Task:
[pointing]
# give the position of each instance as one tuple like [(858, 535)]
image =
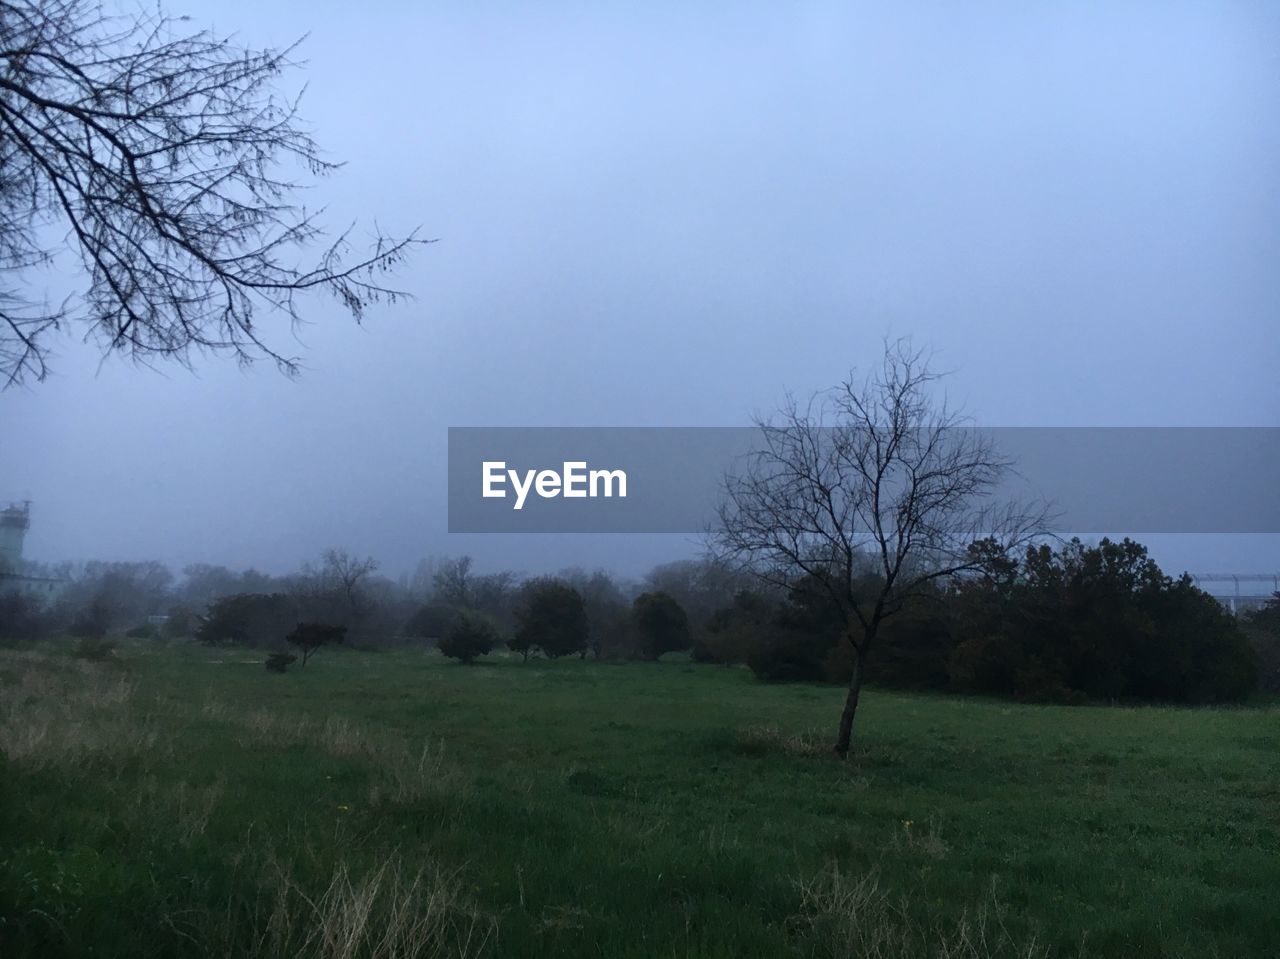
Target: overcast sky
[(670, 214)]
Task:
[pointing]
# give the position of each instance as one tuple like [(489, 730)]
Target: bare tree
[(157, 152), (872, 477), (346, 572), (453, 581)]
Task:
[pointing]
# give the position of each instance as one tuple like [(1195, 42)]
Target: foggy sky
[(670, 216)]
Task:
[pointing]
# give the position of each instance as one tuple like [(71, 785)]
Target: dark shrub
[(521, 642), (1262, 630), (1061, 625), (279, 662), (1039, 680), (911, 652), (799, 638), (551, 617), (143, 631), (309, 637), (661, 623), (788, 655), (470, 636), (247, 619), (92, 621), (731, 634), (23, 618), (613, 632), (1266, 653), (1097, 622), (987, 663), (913, 648)]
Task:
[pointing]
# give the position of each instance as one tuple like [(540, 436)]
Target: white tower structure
[(14, 521)]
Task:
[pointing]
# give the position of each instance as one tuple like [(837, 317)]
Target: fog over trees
[(1067, 622), (808, 682)]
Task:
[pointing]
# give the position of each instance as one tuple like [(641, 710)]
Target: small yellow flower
[(906, 824)]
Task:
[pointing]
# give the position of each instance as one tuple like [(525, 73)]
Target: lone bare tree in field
[(872, 477), (158, 158)]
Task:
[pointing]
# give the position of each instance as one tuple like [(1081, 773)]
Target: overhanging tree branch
[(156, 152)]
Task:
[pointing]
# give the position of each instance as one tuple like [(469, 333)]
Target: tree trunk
[(850, 706)]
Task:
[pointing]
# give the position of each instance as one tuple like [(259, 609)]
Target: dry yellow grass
[(63, 711), (845, 916), (386, 912), (403, 772)]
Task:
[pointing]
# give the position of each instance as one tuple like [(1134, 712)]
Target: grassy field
[(184, 802)]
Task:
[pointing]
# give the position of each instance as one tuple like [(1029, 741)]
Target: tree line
[(1065, 623), (865, 539)]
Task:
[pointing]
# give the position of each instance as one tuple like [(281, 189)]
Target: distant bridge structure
[(1239, 592)]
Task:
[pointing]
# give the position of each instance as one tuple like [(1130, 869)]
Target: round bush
[(469, 636)]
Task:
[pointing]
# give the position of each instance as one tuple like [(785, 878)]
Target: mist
[(674, 216)]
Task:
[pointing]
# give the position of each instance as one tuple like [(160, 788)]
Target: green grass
[(185, 802)]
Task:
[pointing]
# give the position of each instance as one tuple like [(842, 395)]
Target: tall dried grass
[(846, 916), (385, 912), (402, 772), (57, 712)]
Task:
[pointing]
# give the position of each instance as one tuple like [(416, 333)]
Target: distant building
[(15, 520)]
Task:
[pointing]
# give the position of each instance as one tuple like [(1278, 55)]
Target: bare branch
[(156, 151)]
